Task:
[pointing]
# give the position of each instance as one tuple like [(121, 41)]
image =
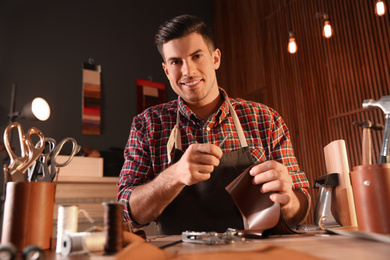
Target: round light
[(40, 108)]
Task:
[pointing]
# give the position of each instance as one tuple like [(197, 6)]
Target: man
[(189, 192)]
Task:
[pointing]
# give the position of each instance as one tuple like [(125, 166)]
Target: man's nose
[(188, 68)]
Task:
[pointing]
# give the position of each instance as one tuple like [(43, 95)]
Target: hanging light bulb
[(292, 46), (380, 8), (327, 30)]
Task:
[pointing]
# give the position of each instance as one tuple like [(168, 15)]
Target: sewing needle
[(223, 141)]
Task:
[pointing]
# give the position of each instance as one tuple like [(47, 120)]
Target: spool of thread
[(83, 242), (33, 253), (113, 227), (67, 223), (7, 251)]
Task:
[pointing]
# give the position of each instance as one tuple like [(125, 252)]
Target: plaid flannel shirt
[(146, 150)]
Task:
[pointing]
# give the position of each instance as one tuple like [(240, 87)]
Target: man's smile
[(190, 83)]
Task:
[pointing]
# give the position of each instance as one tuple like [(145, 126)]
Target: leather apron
[(207, 206)]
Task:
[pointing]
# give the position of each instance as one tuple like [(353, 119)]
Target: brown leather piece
[(371, 190), (28, 214), (147, 251), (258, 211)]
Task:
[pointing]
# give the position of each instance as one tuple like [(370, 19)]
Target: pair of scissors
[(29, 152), (37, 168), (50, 163)]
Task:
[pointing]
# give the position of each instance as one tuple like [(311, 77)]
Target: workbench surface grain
[(325, 246)]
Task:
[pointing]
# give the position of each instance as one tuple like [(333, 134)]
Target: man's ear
[(165, 68), (216, 58)]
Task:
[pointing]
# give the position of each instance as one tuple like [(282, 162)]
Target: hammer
[(366, 143), (384, 104)]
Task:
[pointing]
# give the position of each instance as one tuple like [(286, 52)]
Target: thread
[(7, 251), (82, 242), (113, 227), (67, 223), (33, 253)]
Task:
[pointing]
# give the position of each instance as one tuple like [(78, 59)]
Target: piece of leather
[(262, 217), (28, 214), (147, 251), (371, 189), (258, 210)]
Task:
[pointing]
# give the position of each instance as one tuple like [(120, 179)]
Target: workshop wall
[(318, 91), (44, 43)]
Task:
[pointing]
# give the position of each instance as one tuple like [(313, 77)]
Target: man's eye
[(197, 56), (174, 62)]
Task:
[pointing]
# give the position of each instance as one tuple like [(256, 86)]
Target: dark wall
[(44, 43)]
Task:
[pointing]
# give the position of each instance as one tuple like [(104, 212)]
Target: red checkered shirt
[(146, 150)]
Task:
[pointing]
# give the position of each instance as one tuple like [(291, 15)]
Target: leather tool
[(323, 214), (367, 139), (384, 104)]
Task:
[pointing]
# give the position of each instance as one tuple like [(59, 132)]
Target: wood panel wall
[(319, 90)]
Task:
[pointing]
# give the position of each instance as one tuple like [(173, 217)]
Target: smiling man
[(188, 192)]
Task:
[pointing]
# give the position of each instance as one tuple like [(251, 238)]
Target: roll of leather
[(336, 160), (28, 214), (371, 190)]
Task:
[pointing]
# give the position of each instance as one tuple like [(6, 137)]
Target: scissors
[(50, 159), (37, 166), (29, 152)]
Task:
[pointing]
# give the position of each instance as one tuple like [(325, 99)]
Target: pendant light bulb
[(380, 8), (327, 30), (292, 45)]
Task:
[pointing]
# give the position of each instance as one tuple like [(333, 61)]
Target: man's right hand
[(197, 163), (149, 200)]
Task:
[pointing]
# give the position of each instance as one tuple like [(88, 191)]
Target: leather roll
[(28, 214)]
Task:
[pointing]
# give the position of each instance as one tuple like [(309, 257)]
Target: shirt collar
[(217, 117)]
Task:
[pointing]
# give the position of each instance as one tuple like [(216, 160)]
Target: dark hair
[(181, 26)]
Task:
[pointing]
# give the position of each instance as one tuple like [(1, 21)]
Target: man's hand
[(149, 200), (275, 178), (197, 163)]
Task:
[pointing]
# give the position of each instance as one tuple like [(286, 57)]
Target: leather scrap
[(146, 251)]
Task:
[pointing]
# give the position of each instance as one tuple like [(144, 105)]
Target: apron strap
[(237, 125), (175, 136)]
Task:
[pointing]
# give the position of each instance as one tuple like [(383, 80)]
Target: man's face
[(190, 68)]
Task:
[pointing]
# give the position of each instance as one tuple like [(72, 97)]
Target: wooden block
[(81, 166), (85, 190)]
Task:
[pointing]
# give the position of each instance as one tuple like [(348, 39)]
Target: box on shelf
[(81, 167)]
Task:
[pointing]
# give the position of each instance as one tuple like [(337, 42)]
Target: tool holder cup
[(28, 214), (371, 190)]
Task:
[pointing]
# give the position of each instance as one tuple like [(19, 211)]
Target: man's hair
[(182, 26)]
